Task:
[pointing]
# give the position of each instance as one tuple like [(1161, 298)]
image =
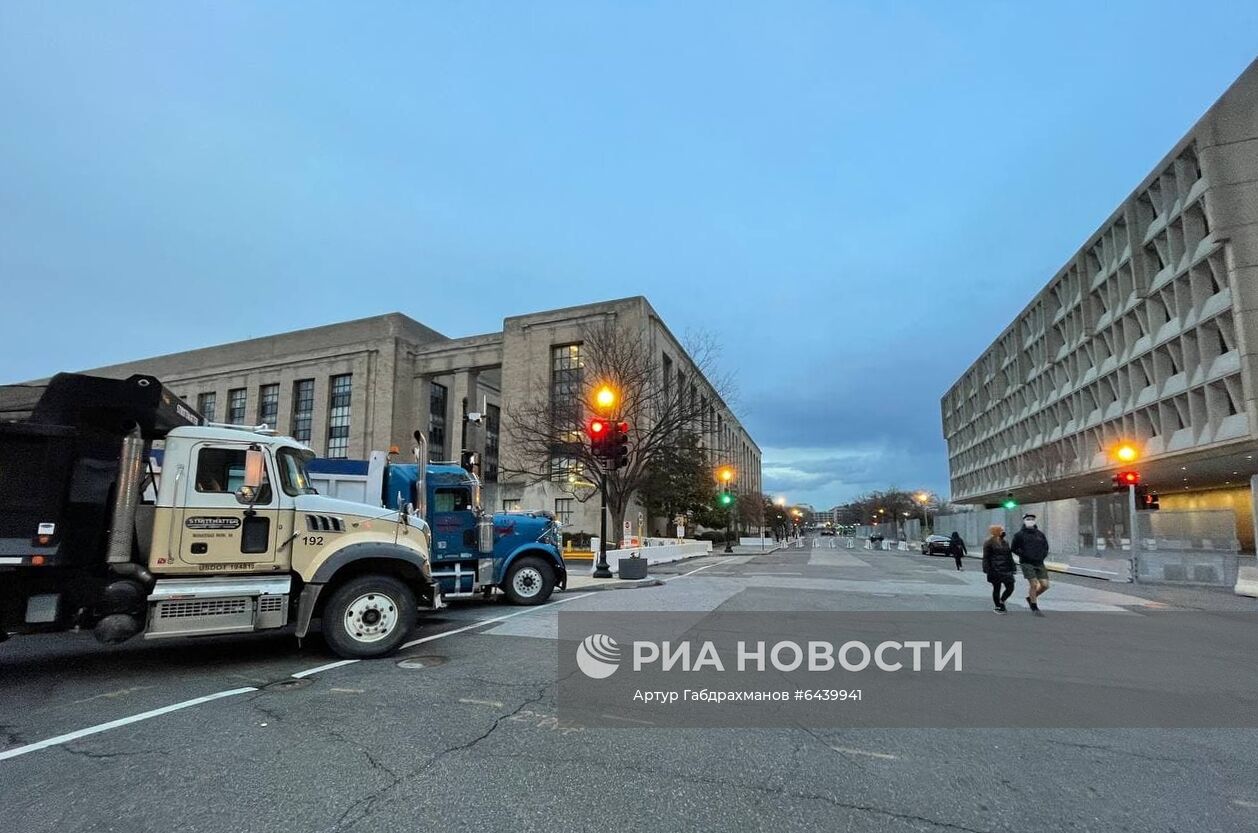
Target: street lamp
[(725, 474), (924, 498), (605, 398)]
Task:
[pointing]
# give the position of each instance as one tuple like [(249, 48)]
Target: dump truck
[(230, 536)]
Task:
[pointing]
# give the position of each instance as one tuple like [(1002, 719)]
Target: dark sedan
[(935, 545)]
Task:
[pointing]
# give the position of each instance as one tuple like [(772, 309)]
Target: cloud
[(826, 476)]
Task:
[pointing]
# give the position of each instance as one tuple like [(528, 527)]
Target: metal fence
[(1092, 536)]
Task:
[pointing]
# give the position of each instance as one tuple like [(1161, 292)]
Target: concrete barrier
[(767, 543), (664, 554)]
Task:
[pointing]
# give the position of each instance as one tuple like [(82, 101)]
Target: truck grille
[(183, 609)]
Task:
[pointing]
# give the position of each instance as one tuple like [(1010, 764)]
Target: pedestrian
[(1031, 547), (999, 566), (956, 548)]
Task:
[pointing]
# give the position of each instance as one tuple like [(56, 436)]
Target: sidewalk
[(579, 578)]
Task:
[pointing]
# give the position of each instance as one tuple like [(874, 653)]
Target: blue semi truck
[(473, 552)]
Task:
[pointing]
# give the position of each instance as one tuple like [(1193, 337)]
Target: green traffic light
[(1010, 504), (726, 499)]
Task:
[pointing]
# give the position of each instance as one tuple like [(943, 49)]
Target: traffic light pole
[(729, 549), (602, 569), (1131, 513)]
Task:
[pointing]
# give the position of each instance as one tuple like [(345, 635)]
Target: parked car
[(936, 545)]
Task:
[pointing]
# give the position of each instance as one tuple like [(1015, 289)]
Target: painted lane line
[(691, 573), (493, 704), (327, 667), (124, 721), (136, 718), (494, 620)]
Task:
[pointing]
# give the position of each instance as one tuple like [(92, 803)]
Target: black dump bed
[(58, 466)]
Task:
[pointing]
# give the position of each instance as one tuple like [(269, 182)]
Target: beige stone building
[(347, 389)]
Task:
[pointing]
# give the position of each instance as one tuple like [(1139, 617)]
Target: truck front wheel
[(529, 581), (368, 616)]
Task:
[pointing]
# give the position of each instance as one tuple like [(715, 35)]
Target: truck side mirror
[(255, 468), (255, 471)]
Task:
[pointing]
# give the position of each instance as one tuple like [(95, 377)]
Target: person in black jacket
[(999, 566), (956, 548), (1031, 547)]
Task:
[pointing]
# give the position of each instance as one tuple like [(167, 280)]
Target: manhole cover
[(287, 685), (426, 661)]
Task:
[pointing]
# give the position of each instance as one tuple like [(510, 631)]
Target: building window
[(563, 509), (564, 469), (269, 405), (338, 415), (667, 365), (493, 417), (236, 400), (205, 404), (512, 505), (566, 375), (437, 420), (303, 409)]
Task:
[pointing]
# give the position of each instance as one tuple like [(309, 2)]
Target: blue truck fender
[(561, 571)]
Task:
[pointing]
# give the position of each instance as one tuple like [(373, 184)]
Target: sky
[(853, 198)]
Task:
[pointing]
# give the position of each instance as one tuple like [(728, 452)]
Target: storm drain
[(421, 661)]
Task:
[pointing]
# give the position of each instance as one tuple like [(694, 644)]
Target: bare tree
[(547, 428)]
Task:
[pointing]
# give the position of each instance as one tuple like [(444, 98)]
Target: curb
[(617, 584)]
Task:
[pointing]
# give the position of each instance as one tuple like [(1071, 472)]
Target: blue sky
[(855, 198)]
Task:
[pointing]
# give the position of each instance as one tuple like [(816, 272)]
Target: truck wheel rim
[(527, 581), (371, 617)]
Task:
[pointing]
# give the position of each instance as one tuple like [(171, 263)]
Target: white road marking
[(114, 724), (495, 619), (136, 718), (691, 573), (493, 704), (1240, 802), (327, 667), (882, 755)]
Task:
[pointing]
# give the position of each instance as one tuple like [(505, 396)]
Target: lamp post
[(924, 499), (726, 476)]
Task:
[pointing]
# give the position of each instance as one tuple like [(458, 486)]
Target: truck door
[(453, 523), (220, 531)]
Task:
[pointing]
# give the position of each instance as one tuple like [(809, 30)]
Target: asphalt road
[(463, 729)]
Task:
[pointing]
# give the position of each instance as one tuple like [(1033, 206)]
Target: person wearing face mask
[(1031, 547)]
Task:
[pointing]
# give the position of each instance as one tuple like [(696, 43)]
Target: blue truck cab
[(472, 552)]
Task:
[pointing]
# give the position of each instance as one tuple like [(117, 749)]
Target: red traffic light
[(597, 427), (1128, 478)]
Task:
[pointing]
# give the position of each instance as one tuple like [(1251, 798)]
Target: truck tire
[(529, 581), (368, 616)]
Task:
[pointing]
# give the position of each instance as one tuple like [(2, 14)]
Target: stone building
[(347, 389)]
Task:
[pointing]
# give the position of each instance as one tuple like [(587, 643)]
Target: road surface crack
[(366, 805)]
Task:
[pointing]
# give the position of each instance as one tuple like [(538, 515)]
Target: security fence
[(1092, 536)]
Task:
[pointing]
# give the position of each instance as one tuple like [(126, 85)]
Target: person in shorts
[(1031, 547)]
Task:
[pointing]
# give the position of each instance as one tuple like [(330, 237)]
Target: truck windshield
[(293, 475)]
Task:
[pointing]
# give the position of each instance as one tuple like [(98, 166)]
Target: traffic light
[(1147, 500), (1009, 502), (600, 432), (619, 445), (1125, 479), (725, 499)]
